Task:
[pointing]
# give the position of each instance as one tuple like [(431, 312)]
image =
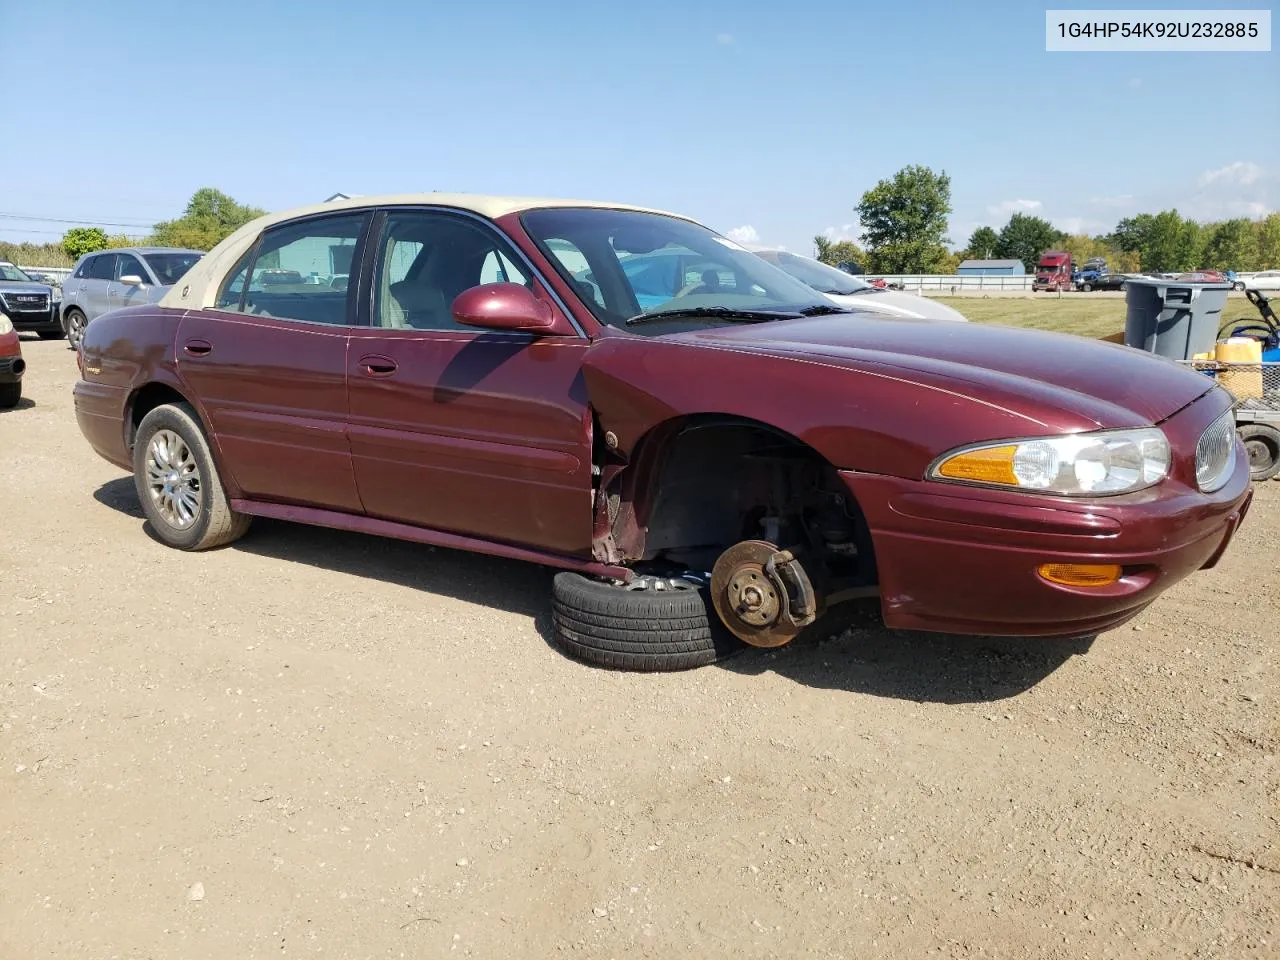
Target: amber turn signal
[(1081, 574), (988, 465)]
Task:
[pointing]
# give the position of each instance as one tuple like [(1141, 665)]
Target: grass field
[(1086, 318)]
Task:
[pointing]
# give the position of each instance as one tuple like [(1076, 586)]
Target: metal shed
[(991, 268)]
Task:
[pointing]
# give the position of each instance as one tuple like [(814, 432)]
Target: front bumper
[(41, 321), (960, 559)]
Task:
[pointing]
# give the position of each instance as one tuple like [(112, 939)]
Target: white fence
[(58, 273), (948, 283)]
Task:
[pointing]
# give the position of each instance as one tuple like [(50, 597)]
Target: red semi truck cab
[(1053, 272)]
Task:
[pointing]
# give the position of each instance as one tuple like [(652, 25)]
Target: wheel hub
[(750, 595)]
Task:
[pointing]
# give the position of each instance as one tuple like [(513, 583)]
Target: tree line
[(904, 221), (210, 215), (904, 230)]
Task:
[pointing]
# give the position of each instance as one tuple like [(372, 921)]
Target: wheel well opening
[(723, 480), (146, 399)]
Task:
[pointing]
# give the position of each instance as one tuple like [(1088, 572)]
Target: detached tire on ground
[(646, 630)]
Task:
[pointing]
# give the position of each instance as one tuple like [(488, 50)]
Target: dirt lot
[(321, 744)]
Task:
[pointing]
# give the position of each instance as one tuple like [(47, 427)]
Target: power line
[(104, 223)]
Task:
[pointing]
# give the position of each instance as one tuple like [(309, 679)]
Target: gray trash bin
[(1172, 319)]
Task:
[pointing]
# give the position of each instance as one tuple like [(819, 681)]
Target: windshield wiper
[(820, 309), (722, 313)]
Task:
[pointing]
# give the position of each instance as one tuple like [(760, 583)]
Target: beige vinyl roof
[(198, 288)]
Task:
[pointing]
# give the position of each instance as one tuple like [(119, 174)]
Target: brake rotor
[(750, 602)]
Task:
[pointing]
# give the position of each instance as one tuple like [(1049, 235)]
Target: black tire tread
[(10, 394), (647, 631), (1271, 436), (224, 525)]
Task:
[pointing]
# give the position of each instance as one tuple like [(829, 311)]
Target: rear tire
[(1086, 287), (73, 322), (10, 394), (170, 451), (1262, 441), (648, 630), (51, 334)]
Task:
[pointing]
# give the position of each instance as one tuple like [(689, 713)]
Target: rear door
[(93, 291), (268, 365)]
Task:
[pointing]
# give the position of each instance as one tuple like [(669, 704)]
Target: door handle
[(198, 348), (374, 366)]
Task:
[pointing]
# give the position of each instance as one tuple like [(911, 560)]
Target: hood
[(1063, 381), (24, 286), (898, 304)]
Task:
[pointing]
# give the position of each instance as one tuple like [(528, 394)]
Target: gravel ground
[(321, 744)]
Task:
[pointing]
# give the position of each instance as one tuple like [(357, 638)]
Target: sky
[(766, 121)]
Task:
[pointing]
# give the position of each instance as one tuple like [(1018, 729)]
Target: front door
[(268, 364), (123, 291), (456, 428)]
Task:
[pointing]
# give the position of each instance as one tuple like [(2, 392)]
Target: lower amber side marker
[(1081, 574)]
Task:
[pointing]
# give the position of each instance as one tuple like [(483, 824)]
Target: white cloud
[(1081, 225), (1242, 172), (726, 39), (1008, 207), (846, 231), (744, 234)]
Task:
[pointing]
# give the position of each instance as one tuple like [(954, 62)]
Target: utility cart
[(1256, 387)]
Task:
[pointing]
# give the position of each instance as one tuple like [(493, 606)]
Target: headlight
[(55, 294), (1073, 465), (1215, 453), (6, 325)]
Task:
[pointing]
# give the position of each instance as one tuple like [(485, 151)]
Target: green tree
[(1083, 247), (1025, 237), (78, 241), (836, 252), (904, 221), (982, 243), (1267, 233), (1231, 245), (210, 216), (1164, 242)]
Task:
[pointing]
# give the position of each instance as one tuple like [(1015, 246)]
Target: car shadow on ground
[(848, 650), (24, 403), (852, 650), (510, 585)]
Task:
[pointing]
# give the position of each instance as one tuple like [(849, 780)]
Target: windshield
[(1052, 268), (814, 273), (626, 264), (169, 267), (9, 272)]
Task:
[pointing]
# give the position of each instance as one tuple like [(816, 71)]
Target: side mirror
[(131, 280), (504, 306)]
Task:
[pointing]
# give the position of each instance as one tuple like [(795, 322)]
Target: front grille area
[(25, 302), (1215, 453)]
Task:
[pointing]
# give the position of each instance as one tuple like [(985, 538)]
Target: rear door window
[(293, 269), (103, 267)]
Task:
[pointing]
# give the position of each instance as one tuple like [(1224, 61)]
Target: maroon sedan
[(694, 438)]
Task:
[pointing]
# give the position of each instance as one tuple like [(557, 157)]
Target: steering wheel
[(689, 288)]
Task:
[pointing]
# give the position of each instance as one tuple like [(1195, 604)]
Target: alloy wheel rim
[(173, 479)]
